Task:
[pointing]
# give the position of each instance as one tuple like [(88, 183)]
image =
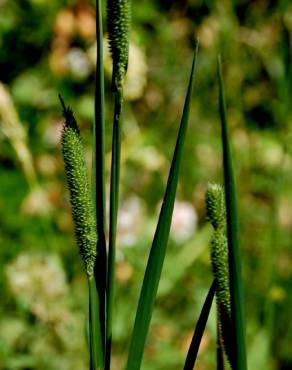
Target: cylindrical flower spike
[(78, 184), (215, 205), (216, 214), (118, 23)]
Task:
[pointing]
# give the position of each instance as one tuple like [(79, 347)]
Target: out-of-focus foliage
[(47, 47)]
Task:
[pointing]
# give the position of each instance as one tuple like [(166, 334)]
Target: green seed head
[(78, 184), (215, 205), (118, 23), (216, 214), (219, 260)]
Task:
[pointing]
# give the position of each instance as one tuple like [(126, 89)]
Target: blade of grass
[(200, 328), (95, 339), (99, 174), (158, 249), (114, 201), (236, 285)]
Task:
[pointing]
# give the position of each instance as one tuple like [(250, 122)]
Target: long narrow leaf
[(200, 328), (114, 202), (158, 249), (236, 286), (99, 173)]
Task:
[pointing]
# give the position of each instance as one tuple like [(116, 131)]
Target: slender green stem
[(99, 175), (114, 202), (235, 278), (95, 340), (219, 352), (200, 328)]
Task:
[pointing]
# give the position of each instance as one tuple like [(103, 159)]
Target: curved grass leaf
[(200, 328), (236, 286), (158, 249)]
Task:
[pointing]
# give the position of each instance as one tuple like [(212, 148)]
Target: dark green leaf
[(236, 288), (158, 249), (200, 328)]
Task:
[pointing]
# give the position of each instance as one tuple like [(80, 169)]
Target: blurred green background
[(47, 47)]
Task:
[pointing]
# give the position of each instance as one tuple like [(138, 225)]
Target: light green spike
[(219, 259), (215, 205), (118, 23), (78, 184), (216, 214)]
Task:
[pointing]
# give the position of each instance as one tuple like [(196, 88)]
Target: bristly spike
[(215, 205), (78, 184), (118, 23), (216, 214)]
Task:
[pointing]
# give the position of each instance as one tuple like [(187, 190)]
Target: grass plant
[(88, 209)]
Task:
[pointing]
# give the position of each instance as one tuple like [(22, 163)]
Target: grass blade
[(114, 202), (99, 173), (236, 286), (199, 330), (158, 249)]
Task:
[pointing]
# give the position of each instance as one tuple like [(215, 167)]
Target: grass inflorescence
[(80, 195)]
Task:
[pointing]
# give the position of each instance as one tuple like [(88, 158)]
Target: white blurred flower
[(184, 221), (130, 221), (78, 63), (136, 77), (52, 133), (36, 202)]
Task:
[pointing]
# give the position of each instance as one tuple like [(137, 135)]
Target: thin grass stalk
[(158, 249), (95, 339), (219, 349), (235, 278), (114, 202), (200, 328), (99, 174)]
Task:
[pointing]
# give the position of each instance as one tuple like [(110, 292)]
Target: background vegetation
[(47, 47)]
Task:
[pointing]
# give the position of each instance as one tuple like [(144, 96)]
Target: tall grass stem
[(99, 174), (95, 339), (114, 203)]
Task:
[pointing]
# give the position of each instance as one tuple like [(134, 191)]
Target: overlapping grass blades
[(199, 330), (158, 249), (236, 286)]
